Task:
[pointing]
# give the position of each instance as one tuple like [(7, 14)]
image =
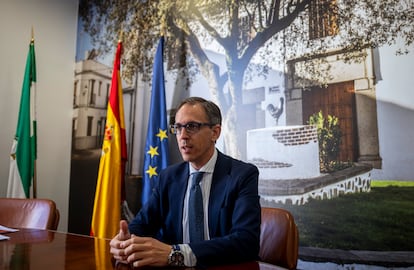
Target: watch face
[(176, 258)]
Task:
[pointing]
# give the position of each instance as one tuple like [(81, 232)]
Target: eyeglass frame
[(176, 128)]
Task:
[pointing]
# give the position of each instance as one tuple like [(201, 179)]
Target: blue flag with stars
[(156, 146)]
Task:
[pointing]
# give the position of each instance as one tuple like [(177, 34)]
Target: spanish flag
[(109, 192)]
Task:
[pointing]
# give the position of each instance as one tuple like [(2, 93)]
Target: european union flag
[(156, 146)]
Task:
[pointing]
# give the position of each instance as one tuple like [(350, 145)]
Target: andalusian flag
[(109, 192), (23, 152), (156, 146)]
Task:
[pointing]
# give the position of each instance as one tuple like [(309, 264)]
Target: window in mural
[(322, 19)]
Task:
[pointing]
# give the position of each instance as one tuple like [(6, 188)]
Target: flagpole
[(34, 180), (35, 131)]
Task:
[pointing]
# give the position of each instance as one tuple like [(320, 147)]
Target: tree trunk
[(233, 129)]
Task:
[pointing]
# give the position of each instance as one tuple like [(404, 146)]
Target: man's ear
[(216, 132)]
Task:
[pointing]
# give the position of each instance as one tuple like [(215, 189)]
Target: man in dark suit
[(161, 234)]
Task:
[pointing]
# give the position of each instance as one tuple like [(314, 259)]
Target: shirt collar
[(208, 167)]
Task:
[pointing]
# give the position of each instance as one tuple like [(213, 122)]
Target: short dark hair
[(212, 110)]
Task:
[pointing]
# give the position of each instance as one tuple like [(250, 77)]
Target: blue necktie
[(195, 209)]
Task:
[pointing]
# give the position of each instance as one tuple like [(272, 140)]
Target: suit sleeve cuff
[(190, 259)]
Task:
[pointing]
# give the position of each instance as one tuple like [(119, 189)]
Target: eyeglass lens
[(190, 127)]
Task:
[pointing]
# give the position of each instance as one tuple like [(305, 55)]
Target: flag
[(23, 152), (109, 194), (156, 146)]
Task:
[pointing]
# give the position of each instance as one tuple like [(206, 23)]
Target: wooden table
[(41, 249)]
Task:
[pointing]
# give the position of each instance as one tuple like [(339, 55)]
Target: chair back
[(29, 213), (279, 238)]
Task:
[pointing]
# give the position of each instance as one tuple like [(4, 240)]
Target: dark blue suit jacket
[(234, 212)]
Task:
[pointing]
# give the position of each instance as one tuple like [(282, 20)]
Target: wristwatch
[(176, 257)]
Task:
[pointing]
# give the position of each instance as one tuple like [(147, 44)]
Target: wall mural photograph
[(316, 93)]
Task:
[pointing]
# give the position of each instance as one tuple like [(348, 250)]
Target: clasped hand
[(139, 251)]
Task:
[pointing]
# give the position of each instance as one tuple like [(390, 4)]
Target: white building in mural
[(90, 98)]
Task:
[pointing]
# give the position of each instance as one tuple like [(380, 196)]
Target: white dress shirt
[(205, 184)]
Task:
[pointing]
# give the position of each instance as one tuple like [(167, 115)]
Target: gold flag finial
[(32, 40), (163, 27), (121, 33)]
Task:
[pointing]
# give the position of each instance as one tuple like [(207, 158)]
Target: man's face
[(196, 147)]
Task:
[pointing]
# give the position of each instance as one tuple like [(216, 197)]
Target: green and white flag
[(23, 152)]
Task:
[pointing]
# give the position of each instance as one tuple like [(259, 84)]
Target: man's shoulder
[(233, 162)]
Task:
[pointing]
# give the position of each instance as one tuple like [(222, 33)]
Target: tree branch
[(200, 18), (277, 25), (207, 67)]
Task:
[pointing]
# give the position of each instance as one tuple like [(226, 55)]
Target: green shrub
[(329, 137)]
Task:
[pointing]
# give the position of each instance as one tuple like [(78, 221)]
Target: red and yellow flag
[(109, 192)]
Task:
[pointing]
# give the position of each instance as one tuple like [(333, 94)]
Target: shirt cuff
[(190, 259)]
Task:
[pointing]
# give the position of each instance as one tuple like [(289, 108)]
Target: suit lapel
[(218, 191), (177, 193)]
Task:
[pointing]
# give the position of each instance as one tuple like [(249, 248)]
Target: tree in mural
[(253, 35)]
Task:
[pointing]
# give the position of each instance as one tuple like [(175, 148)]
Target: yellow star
[(152, 171), (153, 151), (162, 134)]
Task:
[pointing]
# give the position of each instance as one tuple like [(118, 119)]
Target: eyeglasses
[(190, 127)]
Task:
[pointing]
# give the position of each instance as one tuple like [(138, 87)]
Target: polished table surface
[(42, 249)]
